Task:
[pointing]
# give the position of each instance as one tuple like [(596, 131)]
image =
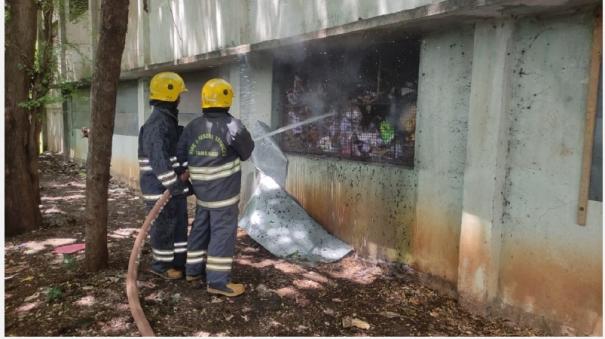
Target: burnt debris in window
[(370, 88)]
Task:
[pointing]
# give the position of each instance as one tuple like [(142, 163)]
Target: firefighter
[(212, 146), (159, 171), (182, 221)]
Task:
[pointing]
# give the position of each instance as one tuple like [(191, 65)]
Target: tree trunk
[(43, 78), (22, 197), (105, 78)]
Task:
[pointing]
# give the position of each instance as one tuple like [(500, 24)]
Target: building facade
[(455, 143)]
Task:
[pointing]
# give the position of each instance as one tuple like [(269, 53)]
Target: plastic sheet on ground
[(277, 222), (267, 156)]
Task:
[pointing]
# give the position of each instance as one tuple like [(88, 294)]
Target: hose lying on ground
[(132, 289)]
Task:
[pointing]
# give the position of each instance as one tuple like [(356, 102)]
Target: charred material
[(372, 93)]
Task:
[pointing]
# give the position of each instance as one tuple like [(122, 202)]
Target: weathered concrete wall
[(254, 84), (486, 151), (190, 107), (78, 47), (54, 127), (79, 147), (124, 159), (187, 28), (441, 127), (78, 116), (369, 206), (134, 49), (178, 29), (126, 118), (278, 19), (550, 265)]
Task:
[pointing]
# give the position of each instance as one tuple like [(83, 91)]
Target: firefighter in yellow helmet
[(159, 171), (212, 147)]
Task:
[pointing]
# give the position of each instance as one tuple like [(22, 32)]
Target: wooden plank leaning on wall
[(591, 109)]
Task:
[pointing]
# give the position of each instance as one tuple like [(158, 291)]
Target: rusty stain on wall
[(541, 285), (550, 266), (476, 264), (434, 249), (441, 139), (368, 206), (125, 170)]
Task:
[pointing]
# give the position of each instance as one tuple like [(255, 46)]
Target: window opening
[(371, 89)]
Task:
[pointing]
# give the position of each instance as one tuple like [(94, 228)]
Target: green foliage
[(43, 73), (387, 131), (54, 294), (69, 88), (44, 4), (32, 104), (77, 8), (7, 13)]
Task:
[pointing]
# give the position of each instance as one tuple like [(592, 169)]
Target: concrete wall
[(124, 159), (187, 28), (53, 127), (521, 251), (549, 264), (369, 206), (126, 118), (279, 19), (190, 106), (135, 48), (78, 116), (441, 128), (173, 30), (254, 84), (77, 46)]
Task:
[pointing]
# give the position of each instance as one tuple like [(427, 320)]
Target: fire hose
[(132, 289), (293, 126)]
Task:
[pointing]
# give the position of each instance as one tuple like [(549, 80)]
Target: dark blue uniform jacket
[(158, 165), (212, 147)]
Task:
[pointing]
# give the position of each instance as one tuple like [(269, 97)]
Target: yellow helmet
[(217, 93), (166, 86)]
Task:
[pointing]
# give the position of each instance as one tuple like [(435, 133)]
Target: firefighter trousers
[(213, 233), (169, 235), (180, 233)]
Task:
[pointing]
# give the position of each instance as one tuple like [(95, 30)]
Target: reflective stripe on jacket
[(212, 147), (158, 165)]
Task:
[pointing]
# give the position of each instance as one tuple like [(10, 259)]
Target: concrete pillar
[(141, 26), (443, 104), (141, 107), (255, 83), (485, 174), (234, 79), (94, 7)]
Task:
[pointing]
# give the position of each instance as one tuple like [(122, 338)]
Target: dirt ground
[(47, 294)]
